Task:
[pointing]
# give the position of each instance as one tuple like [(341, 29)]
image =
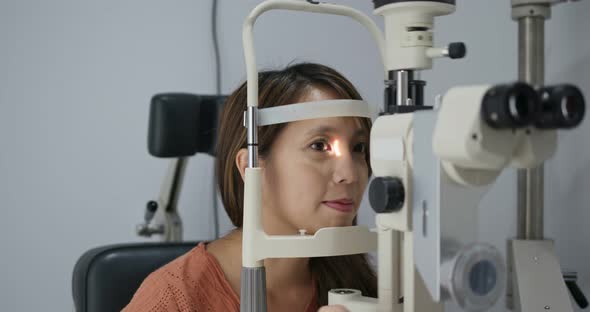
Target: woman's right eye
[(321, 146)]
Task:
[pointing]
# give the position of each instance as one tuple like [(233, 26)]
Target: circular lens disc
[(482, 278)]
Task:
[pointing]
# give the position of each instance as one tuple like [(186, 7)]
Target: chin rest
[(105, 278)]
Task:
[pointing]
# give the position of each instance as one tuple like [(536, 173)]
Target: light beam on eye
[(337, 148)]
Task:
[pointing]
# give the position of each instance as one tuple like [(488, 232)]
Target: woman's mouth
[(342, 205)]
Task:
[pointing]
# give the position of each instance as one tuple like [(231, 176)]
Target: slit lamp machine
[(432, 162), (432, 165)]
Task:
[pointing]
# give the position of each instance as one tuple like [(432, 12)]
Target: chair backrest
[(105, 278)]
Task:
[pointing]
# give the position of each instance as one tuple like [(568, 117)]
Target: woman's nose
[(345, 167)]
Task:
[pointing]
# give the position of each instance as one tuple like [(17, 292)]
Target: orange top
[(192, 282)]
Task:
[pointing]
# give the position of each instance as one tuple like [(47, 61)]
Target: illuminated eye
[(321, 146)]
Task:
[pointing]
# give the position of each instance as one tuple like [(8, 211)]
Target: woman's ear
[(242, 161)]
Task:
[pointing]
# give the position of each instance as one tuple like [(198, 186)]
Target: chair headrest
[(183, 124)]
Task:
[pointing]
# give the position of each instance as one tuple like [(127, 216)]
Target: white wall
[(75, 83)]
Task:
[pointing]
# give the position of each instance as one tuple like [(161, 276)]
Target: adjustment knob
[(150, 211), (386, 194), (152, 206), (457, 50)]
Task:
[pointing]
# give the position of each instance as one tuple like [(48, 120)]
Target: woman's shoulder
[(192, 267), (191, 282)]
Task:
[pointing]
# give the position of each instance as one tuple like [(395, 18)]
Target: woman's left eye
[(360, 147), (321, 146)]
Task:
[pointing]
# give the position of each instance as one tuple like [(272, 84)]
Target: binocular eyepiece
[(518, 105), (562, 106)]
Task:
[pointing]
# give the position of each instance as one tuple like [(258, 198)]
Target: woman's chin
[(338, 223)]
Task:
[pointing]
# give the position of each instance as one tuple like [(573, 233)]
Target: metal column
[(531, 67)]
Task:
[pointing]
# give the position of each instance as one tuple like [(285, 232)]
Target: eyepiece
[(510, 106), (562, 106)]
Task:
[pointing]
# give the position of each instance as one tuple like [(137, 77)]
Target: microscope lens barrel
[(562, 106), (510, 106)]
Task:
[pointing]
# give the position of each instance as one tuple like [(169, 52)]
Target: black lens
[(510, 106), (562, 106), (518, 106), (482, 278)]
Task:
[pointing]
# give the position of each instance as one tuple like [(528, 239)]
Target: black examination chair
[(106, 277)]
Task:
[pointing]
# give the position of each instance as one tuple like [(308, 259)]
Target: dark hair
[(281, 87)]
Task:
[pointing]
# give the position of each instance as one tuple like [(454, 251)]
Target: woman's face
[(315, 174)]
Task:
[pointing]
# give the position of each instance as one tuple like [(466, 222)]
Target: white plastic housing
[(408, 49), (537, 146), (474, 153), (390, 153), (353, 300), (463, 139)]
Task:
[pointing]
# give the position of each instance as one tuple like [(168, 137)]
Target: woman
[(304, 186)]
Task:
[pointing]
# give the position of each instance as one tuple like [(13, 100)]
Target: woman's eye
[(321, 146), (360, 148)]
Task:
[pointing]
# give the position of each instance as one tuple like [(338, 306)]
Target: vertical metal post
[(531, 67), (173, 232), (252, 124), (253, 279), (402, 87)]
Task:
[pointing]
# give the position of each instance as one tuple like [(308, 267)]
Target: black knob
[(386, 194), (150, 211), (152, 206), (457, 50)]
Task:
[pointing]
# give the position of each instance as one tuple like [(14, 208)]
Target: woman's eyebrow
[(328, 129), (320, 130)]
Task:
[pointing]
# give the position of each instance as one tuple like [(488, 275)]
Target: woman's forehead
[(333, 126), (314, 93)]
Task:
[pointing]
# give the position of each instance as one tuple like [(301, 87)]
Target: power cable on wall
[(218, 91), (216, 47)]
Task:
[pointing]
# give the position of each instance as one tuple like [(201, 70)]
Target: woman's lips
[(342, 206)]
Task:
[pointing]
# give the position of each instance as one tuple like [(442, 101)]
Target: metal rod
[(531, 63), (252, 123), (401, 87), (171, 191)]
